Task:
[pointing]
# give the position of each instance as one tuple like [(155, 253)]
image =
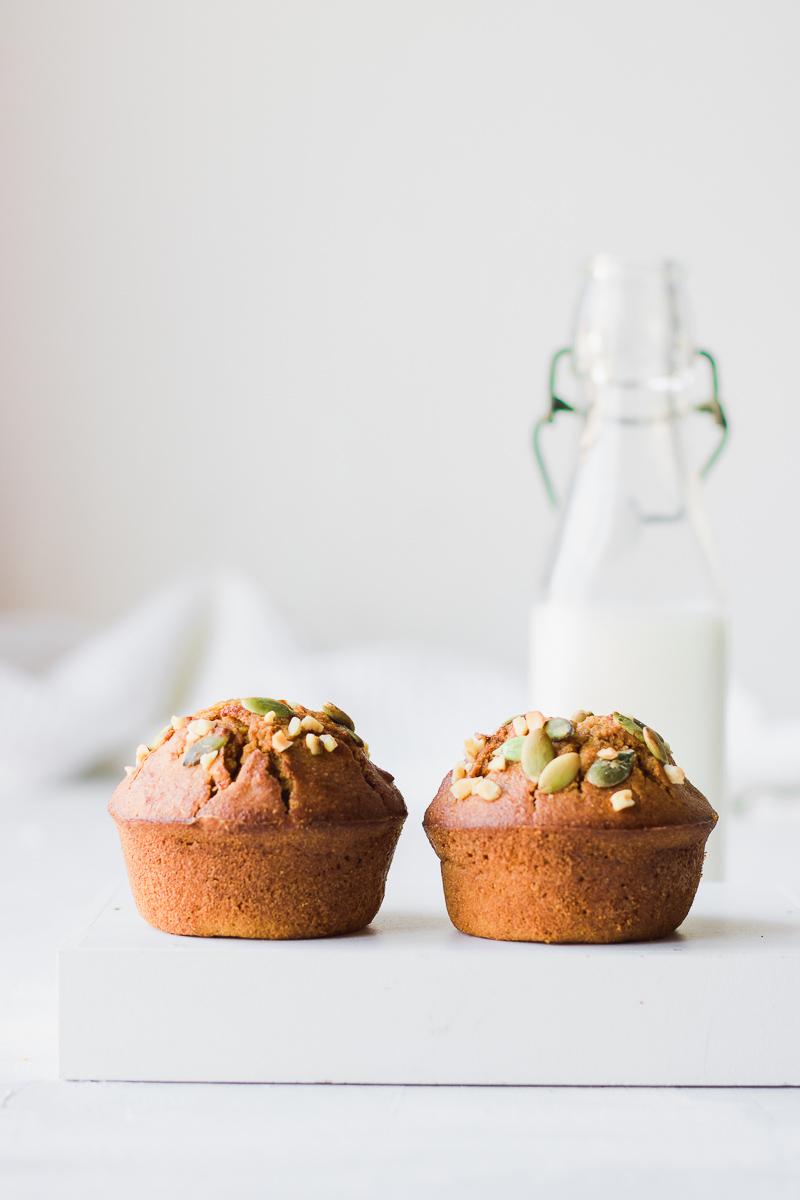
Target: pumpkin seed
[(512, 749), (338, 715), (261, 705), (213, 741), (351, 733), (560, 773), (537, 752), (630, 725), (655, 744), (558, 728), (606, 773)]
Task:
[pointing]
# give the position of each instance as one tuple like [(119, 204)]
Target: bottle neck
[(633, 529), (633, 455)]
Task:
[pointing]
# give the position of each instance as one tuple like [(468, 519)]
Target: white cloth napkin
[(71, 702)]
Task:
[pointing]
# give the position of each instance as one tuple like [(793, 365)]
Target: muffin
[(581, 830), (258, 818)]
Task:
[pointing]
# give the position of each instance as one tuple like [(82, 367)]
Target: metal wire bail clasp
[(557, 404)]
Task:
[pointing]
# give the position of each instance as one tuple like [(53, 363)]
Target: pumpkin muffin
[(581, 830), (257, 818)]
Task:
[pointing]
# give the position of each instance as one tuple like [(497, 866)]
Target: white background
[(280, 281)]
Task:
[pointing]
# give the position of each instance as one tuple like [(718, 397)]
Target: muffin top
[(591, 772), (257, 761)]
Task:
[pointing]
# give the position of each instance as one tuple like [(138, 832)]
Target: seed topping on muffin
[(289, 725), (552, 755)]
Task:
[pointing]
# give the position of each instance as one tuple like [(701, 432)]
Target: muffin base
[(258, 882), (570, 885)]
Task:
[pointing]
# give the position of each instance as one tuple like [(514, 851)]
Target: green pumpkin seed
[(537, 752), (627, 756), (630, 725), (606, 773), (212, 741), (558, 728), (338, 715), (351, 733), (261, 705), (655, 744), (559, 773), (512, 749)]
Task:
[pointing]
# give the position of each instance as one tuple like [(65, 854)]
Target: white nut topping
[(498, 763), (622, 799), (461, 789), (487, 789), (674, 774), (280, 741), (329, 742), (197, 729), (129, 770), (313, 743), (141, 753), (312, 724), (608, 752), (269, 717), (459, 771), (520, 726), (179, 722), (473, 746), (535, 720), (295, 727), (207, 759)]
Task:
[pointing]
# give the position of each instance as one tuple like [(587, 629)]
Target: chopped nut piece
[(141, 753), (579, 716), (329, 742), (622, 799), (270, 716), (520, 726), (487, 789), (459, 771), (365, 746), (129, 770), (473, 746), (312, 724), (674, 774), (608, 752), (295, 727), (498, 763), (179, 722), (207, 759), (535, 720), (197, 729), (461, 789), (313, 743), (280, 741)]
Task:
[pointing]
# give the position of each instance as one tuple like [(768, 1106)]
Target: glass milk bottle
[(631, 617)]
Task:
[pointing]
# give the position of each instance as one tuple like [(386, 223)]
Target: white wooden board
[(413, 1001)]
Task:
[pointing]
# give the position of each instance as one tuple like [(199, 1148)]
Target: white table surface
[(58, 853)]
